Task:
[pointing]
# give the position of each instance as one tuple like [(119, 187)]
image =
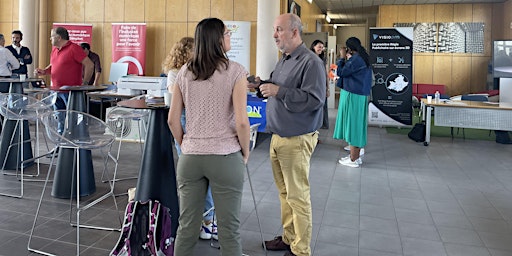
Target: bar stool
[(19, 108), (120, 121), (82, 132)]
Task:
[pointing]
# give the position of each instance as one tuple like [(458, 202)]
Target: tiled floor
[(450, 198)]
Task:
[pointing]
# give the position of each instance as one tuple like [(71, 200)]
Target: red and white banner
[(78, 33), (129, 45)]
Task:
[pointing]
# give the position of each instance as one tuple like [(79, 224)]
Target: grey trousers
[(225, 174)]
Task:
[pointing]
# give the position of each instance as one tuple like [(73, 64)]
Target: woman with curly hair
[(180, 53)]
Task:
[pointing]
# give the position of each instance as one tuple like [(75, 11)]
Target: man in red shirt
[(66, 62)]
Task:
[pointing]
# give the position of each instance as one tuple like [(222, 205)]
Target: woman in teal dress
[(352, 119)]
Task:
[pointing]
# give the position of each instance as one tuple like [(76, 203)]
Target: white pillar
[(266, 50), (29, 26)]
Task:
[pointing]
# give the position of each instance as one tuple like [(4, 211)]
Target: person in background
[(318, 48), (181, 52), (20, 52), (67, 60), (95, 78), (340, 63), (352, 120), (339, 82), (7, 63), (296, 95), (215, 148)]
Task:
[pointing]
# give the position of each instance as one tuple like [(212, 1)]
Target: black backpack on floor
[(418, 132)]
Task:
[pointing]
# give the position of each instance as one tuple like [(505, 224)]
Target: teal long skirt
[(352, 119)]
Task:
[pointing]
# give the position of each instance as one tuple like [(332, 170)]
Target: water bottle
[(437, 97)]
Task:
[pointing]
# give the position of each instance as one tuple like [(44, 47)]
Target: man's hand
[(268, 90), (39, 72), (254, 82)]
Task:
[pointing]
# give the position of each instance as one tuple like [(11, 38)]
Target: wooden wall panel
[(483, 13), (75, 11), (107, 52), (425, 13), (191, 28), (155, 54), (6, 29), (507, 19), (245, 10), (6, 8), (461, 78), (134, 11), (462, 12), (198, 10), (443, 71), (407, 13), (94, 10), (114, 11), (176, 11), (388, 14), (43, 11), (254, 50), (15, 12), (155, 10), (478, 74), (443, 12), (173, 33), (423, 68), (224, 13), (97, 40), (57, 11), (45, 45), (498, 21)]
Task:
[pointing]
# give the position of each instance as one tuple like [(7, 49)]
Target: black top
[(23, 52)]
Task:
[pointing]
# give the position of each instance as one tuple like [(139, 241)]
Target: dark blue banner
[(391, 59)]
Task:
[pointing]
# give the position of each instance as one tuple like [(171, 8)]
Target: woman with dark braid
[(352, 119)]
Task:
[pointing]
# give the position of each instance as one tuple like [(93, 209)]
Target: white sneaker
[(347, 148), (347, 162), (359, 160), (206, 231)]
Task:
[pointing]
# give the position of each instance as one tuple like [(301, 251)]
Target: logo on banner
[(254, 111), (397, 83)]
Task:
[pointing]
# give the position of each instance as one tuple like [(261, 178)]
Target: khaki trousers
[(225, 175), (290, 158)]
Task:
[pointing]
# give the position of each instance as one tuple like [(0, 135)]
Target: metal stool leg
[(256, 209)]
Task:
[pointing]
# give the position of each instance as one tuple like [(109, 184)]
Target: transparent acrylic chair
[(20, 108), (120, 120), (82, 132)]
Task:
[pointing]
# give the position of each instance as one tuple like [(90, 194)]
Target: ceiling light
[(310, 1), (327, 18)]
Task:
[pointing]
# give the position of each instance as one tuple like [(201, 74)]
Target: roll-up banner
[(129, 45), (240, 42), (391, 59), (78, 33)]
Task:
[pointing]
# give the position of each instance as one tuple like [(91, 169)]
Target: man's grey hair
[(295, 22)]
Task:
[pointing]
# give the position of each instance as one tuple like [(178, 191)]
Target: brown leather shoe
[(277, 244), (289, 253)]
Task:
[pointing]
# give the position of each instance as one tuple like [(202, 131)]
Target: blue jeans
[(208, 203), (60, 104)]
